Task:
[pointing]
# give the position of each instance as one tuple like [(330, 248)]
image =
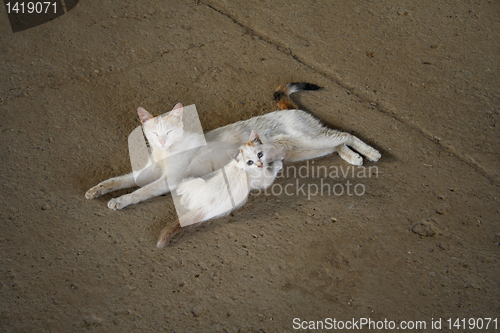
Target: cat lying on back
[(301, 134), (253, 166)]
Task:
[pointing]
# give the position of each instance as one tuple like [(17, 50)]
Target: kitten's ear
[(233, 153), (177, 111), (254, 137), (143, 114)]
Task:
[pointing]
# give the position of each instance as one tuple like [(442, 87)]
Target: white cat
[(253, 166), (300, 134), (166, 137)]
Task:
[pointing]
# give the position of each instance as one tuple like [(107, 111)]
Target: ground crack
[(358, 92)]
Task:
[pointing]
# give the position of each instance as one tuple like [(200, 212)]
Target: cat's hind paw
[(349, 156), (355, 160), (373, 155)]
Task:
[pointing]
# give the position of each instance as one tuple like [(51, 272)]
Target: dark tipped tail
[(282, 94)]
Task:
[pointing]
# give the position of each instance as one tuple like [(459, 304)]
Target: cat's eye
[(155, 133), (250, 162), (259, 155)]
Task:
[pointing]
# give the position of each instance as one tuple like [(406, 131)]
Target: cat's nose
[(260, 165)]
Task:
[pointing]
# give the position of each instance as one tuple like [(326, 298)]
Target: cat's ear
[(143, 114), (233, 153), (254, 137), (177, 111)]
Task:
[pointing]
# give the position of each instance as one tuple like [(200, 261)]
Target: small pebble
[(92, 321), (197, 311), (426, 228)]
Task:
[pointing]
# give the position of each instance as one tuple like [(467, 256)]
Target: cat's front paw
[(94, 192), (115, 204), (277, 166)]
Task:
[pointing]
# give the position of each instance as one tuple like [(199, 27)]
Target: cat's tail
[(282, 94), (174, 230)]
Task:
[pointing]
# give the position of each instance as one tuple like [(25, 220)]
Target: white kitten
[(253, 166)]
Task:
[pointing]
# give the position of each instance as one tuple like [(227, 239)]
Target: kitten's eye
[(259, 155), (250, 162), (155, 133)]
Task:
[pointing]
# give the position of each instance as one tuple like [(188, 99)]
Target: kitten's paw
[(114, 204), (94, 192)]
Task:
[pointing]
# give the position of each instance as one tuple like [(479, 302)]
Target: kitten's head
[(251, 155), (164, 130)]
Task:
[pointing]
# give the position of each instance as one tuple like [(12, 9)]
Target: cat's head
[(164, 130), (251, 155)]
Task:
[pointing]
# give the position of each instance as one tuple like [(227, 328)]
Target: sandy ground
[(418, 81)]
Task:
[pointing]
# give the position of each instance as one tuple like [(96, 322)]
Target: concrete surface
[(419, 81)]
